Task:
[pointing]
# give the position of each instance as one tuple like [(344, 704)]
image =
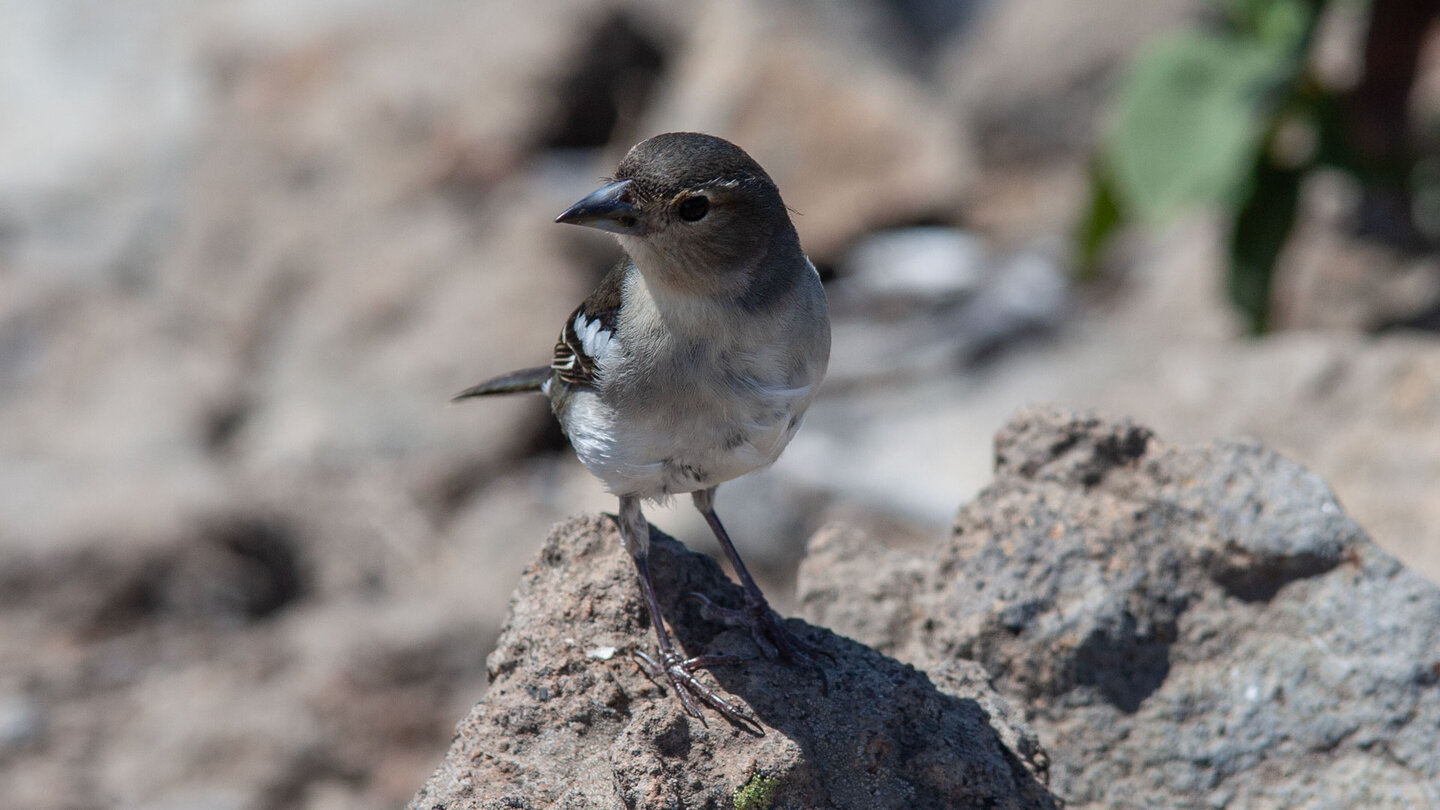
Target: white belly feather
[(664, 454)]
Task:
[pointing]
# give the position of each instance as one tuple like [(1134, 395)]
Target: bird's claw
[(679, 672)]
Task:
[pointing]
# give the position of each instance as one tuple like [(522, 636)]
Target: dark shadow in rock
[(1125, 671), (252, 566), (1253, 577)]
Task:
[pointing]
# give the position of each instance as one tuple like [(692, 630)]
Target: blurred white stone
[(922, 300), (1023, 291), (22, 722), (928, 263)]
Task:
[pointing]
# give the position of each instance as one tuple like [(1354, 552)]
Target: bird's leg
[(773, 639), (673, 666)]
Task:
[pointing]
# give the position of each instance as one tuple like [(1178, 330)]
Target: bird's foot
[(766, 629), (679, 671)]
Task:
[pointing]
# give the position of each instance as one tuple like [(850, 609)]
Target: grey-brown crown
[(666, 165)]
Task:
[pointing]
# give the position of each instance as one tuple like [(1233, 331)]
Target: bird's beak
[(608, 208)]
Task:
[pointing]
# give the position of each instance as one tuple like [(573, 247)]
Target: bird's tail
[(516, 382)]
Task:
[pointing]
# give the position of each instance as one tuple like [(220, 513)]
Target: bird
[(691, 364)]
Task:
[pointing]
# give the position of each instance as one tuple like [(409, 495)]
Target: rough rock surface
[(571, 721), (1186, 626)]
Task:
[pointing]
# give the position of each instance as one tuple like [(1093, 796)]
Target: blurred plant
[(1235, 118)]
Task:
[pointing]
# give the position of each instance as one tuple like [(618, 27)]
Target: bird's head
[(694, 212)]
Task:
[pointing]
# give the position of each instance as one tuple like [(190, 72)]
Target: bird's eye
[(694, 209)]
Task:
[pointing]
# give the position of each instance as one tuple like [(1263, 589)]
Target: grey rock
[(1186, 626), (1359, 410), (570, 721)]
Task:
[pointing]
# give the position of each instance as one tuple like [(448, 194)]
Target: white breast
[(677, 410)]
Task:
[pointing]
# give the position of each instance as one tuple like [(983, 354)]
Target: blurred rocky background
[(249, 555)]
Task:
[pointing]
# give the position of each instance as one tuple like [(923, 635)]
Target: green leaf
[(1260, 230), (1281, 25), (1285, 25), (1190, 121), (1102, 219)]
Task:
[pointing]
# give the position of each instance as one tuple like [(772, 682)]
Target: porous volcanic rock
[(571, 721), (1187, 627)]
